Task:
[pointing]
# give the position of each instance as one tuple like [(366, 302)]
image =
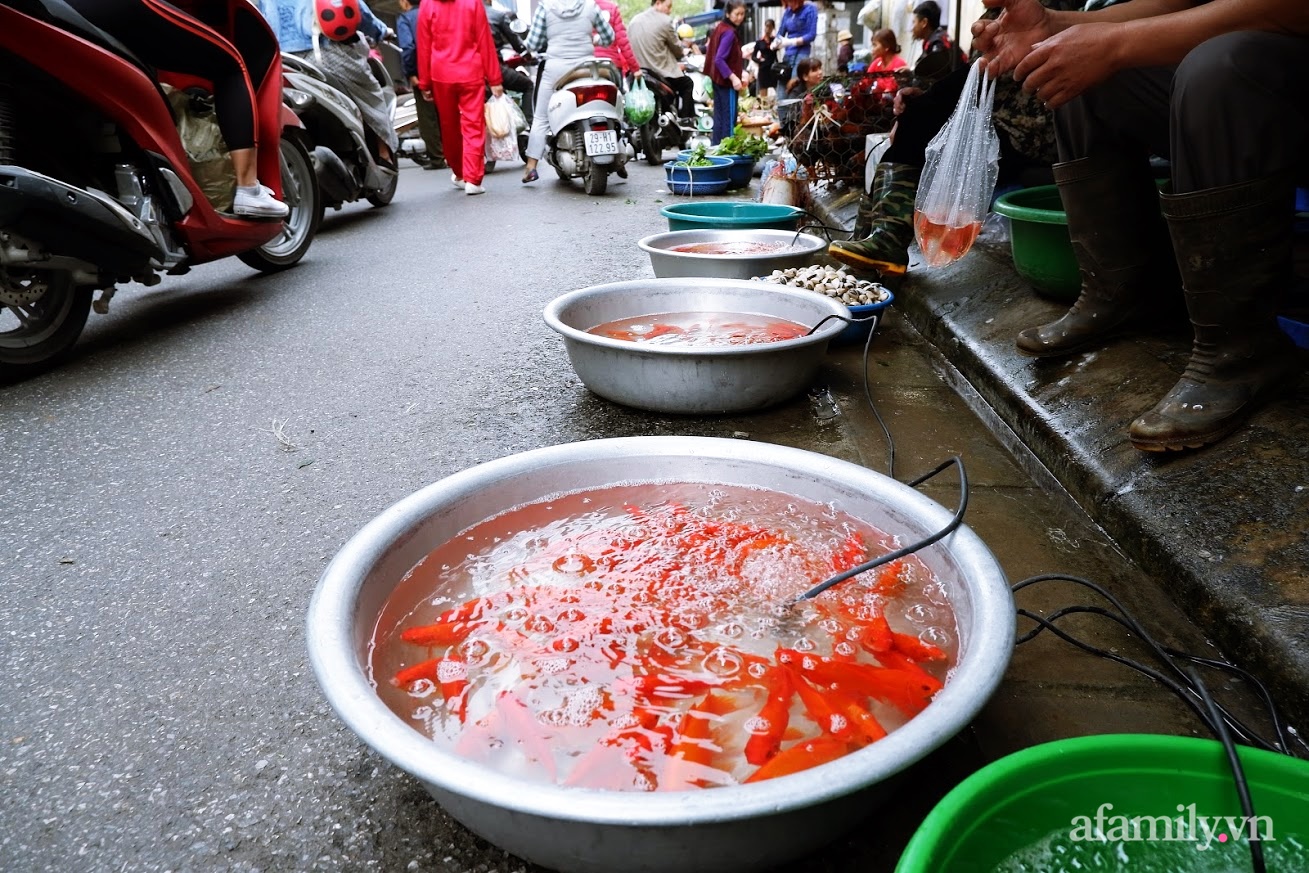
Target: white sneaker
[(470, 188), (456, 181), (258, 202)]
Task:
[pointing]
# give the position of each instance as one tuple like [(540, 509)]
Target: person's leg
[(472, 128), (447, 111), (545, 88), (1239, 134), (724, 114), (515, 80), (429, 130), (1105, 138), (685, 89)]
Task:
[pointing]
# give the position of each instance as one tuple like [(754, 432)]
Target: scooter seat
[(597, 68)]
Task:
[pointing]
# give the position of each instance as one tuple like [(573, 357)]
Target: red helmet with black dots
[(339, 19)]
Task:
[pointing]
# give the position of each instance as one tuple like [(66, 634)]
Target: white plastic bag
[(501, 148), (499, 118), (520, 120), (962, 162)]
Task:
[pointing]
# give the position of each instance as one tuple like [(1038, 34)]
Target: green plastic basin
[(1018, 801), (731, 215), (1038, 233)]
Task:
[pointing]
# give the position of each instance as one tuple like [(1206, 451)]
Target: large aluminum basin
[(694, 381), (800, 251), (718, 830)]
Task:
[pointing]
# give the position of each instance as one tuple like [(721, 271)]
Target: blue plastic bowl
[(857, 333), (731, 215), (713, 179)]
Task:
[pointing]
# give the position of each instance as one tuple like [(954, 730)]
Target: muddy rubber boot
[(884, 251), (1233, 248), (1113, 221)]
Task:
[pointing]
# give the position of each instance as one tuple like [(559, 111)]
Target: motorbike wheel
[(300, 186), (595, 180), (42, 314), (387, 194), (654, 153)]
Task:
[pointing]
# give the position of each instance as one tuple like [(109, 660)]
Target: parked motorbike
[(586, 121), (96, 186), (343, 149), (665, 130)]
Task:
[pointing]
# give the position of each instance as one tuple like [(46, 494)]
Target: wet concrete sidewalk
[(1223, 531)]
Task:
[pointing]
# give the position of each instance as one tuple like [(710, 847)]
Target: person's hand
[(1059, 68), (1007, 40), (426, 94), (903, 95), (497, 91), (736, 82), (390, 36)]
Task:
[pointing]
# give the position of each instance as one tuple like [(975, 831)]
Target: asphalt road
[(173, 492)]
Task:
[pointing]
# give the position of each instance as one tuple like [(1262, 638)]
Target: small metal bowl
[(694, 381), (801, 250), (724, 830)]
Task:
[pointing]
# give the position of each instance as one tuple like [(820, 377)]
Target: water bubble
[(553, 666), (448, 670), (756, 724), (565, 644), (571, 615), (831, 625), (757, 670), (844, 649), (515, 614), (723, 662), (539, 624), (920, 614), (670, 639), (732, 630), (805, 644), (574, 564), (937, 636)]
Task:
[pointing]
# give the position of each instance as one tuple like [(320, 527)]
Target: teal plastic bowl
[(1058, 796), (1038, 234), (731, 215)]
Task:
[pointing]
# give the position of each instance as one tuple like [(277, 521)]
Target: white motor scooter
[(586, 124)]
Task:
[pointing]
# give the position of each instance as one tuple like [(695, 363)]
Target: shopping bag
[(639, 104), (520, 120), (502, 148), (958, 179), (499, 119)]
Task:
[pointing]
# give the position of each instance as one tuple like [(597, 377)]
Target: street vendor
[(1221, 89), (796, 33)]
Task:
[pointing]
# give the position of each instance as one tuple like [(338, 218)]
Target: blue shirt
[(406, 33), (293, 20), (802, 23)]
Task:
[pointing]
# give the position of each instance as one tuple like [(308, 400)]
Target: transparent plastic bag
[(516, 111), (501, 148), (499, 118), (639, 104), (958, 179), (211, 165)]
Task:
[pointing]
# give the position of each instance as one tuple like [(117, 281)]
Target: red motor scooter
[(95, 184)]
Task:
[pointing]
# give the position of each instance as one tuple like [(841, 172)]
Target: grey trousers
[(1234, 110)]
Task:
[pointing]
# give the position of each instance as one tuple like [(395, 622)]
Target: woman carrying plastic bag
[(962, 163)]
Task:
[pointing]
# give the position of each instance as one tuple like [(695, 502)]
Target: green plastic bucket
[(1038, 233), (731, 215), (1020, 800)]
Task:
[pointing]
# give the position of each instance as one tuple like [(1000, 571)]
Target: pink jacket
[(455, 45), (620, 52)]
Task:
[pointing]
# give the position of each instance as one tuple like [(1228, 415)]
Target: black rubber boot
[(884, 252), (1233, 248), (1112, 206)]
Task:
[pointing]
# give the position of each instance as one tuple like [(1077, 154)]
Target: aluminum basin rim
[(330, 635), (806, 244), (554, 320)]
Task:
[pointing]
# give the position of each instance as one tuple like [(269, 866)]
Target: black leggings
[(168, 38)]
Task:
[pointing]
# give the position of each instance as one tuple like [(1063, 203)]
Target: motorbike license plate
[(601, 142)]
